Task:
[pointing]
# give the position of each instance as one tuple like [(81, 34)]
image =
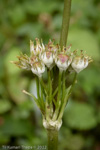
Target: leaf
[(80, 116), (57, 21), (16, 85), (83, 39), (15, 127), (5, 106), (17, 15), (37, 7), (74, 141), (86, 79), (11, 68), (29, 29), (4, 139)]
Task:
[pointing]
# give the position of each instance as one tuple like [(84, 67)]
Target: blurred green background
[(20, 120)]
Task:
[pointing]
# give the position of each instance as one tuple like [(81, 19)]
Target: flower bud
[(38, 68)]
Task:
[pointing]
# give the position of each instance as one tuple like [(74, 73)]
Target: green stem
[(55, 116), (42, 101), (52, 139), (67, 97), (59, 86), (53, 134), (47, 108), (75, 76), (63, 88), (36, 101), (50, 91), (41, 93), (65, 23), (50, 86), (55, 92), (43, 85), (58, 97), (38, 89)]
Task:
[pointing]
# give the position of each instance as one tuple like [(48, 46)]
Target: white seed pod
[(62, 61), (38, 68), (79, 63), (47, 58)]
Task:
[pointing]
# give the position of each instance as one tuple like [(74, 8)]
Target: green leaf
[(37, 7), (11, 56), (5, 105), (83, 39), (57, 21), (80, 116), (15, 127), (29, 29), (86, 79), (4, 139), (17, 15), (74, 141), (16, 85)]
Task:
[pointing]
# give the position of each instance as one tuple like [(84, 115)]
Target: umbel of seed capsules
[(49, 55)]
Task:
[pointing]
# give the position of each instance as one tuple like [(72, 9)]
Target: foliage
[(80, 116)]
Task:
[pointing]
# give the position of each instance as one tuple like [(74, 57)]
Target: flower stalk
[(52, 139), (65, 23)]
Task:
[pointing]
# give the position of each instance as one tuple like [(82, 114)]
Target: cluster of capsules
[(49, 55)]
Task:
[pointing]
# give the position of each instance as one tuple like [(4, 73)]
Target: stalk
[(53, 133), (38, 88), (59, 86), (63, 84), (66, 98), (52, 139), (65, 23)]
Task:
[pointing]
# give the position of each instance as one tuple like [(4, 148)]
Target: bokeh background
[(20, 120)]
